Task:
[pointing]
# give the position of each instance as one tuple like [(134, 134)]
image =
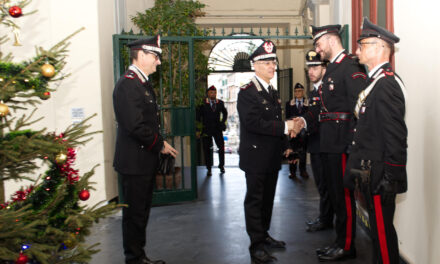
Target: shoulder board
[(130, 75), (341, 58), (359, 75), (244, 87), (388, 72)]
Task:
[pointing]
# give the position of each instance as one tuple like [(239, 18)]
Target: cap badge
[(311, 54), (268, 47)]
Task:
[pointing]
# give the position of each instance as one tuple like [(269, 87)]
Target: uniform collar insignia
[(139, 73)]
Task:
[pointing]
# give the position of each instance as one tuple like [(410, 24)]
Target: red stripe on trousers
[(381, 230), (349, 234)]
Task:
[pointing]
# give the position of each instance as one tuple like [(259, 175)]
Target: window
[(379, 12)]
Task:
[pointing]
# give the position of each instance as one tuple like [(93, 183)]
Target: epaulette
[(244, 87), (388, 72), (130, 75), (359, 75), (341, 58)]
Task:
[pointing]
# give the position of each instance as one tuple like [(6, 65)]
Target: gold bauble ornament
[(70, 241), (61, 158), (47, 70), (4, 109)]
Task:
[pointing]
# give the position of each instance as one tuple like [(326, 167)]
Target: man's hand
[(295, 125), (287, 152), (168, 149)]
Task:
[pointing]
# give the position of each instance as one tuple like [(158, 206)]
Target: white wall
[(418, 211), (89, 63)]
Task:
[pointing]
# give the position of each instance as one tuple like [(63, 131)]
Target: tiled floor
[(211, 230)]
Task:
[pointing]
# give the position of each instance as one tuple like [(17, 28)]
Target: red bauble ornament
[(15, 11), (84, 195), (44, 96), (22, 259)]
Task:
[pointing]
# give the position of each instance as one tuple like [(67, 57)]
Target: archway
[(229, 60)]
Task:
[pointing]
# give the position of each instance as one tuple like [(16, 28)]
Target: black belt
[(334, 116)]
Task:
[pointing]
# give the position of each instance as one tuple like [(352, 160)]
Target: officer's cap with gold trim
[(370, 30), (150, 45), (318, 32), (266, 51), (313, 58)]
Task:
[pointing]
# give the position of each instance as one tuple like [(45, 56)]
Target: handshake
[(294, 126)]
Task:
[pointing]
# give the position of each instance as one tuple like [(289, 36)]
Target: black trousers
[(383, 233), (302, 163), (258, 205), (325, 206), (138, 194), (207, 148), (342, 199)]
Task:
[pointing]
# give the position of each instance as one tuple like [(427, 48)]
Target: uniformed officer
[(341, 84), (316, 70), (213, 115), (138, 143), (380, 140), (262, 142), (294, 108)]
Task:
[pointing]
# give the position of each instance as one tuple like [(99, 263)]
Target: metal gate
[(175, 88)]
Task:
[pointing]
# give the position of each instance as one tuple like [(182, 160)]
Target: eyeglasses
[(365, 43), (156, 57), (267, 63)]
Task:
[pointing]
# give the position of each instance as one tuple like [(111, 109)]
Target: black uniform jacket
[(212, 123), (341, 84), (292, 109), (381, 133), (313, 133), (138, 140), (262, 139)]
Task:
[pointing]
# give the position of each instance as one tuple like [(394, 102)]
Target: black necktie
[(213, 105), (299, 106), (271, 92)]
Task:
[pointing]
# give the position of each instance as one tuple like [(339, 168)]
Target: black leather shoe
[(337, 253), (311, 222), (222, 169), (323, 250), (261, 256), (293, 176), (271, 242), (209, 173), (318, 226), (304, 175), (146, 260)]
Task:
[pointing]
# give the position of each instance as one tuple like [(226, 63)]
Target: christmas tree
[(43, 222)]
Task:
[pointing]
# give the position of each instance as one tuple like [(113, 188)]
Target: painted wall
[(418, 211), (90, 64)]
